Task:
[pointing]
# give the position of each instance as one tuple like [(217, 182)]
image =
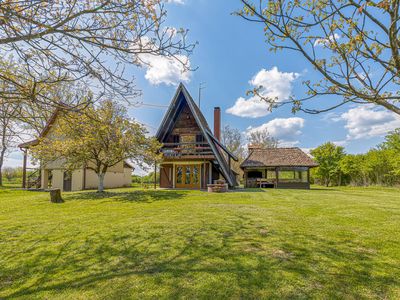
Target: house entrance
[(187, 176), (67, 184)]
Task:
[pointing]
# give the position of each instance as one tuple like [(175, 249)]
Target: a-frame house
[(193, 155)]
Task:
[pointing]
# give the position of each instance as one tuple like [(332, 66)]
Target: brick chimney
[(217, 123)]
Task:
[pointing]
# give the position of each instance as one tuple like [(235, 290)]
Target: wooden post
[(276, 176), (155, 175), (24, 168)]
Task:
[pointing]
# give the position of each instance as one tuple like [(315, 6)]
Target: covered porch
[(277, 177)]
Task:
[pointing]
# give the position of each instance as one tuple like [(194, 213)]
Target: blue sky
[(230, 53)]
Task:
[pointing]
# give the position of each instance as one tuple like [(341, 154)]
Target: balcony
[(180, 151)]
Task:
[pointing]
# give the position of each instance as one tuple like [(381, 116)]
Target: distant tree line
[(379, 166)]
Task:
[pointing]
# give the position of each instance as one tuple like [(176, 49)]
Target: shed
[(277, 168)]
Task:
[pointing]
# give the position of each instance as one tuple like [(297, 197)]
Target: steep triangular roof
[(167, 123)]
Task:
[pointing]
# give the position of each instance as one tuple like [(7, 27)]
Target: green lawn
[(130, 243)]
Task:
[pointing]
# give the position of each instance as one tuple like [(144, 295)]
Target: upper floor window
[(175, 138), (199, 138)]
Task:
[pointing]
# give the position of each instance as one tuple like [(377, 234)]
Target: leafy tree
[(232, 138), (9, 173), (352, 169), (392, 141), (83, 41), (344, 41), (99, 139), (263, 139), (328, 156), (10, 127)]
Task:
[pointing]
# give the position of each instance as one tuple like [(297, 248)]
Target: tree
[(392, 141), (10, 130), (263, 139), (353, 45), (98, 138), (232, 138), (328, 156), (83, 41), (11, 173)]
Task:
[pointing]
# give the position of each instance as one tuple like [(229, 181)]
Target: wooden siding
[(184, 124), (166, 176)]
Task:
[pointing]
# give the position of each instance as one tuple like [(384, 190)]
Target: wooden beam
[(155, 175), (24, 168)]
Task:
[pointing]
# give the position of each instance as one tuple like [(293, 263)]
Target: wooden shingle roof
[(278, 157), (215, 145)]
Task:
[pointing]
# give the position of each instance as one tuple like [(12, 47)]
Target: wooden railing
[(178, 150), (34, 179)]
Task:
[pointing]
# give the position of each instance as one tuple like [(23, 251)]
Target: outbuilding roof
[(278, 157)]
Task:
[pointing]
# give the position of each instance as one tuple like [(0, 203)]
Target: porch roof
[(278, 157)]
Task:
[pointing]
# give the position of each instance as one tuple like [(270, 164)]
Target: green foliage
[(99, 138), (340, 243), (12, 175), (328, 156), (380, 166)]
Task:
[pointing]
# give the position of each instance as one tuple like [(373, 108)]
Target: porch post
[(155, 175), (210, 173), (277, 176), (173, 175), (24, 168)]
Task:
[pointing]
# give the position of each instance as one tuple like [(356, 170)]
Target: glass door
[(187, 176)]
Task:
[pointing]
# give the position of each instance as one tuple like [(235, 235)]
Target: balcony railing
[(178, 150)]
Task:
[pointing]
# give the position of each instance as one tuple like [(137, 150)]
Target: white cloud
[(251, 108), (273, 84), (326, 41), (169, 70), (285, 130), (368, 121), (176, 1)]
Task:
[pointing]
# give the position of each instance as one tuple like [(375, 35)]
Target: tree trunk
[(100, 188), (2, 154), (55, 196)]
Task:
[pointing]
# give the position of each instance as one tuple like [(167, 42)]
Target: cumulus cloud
[(169, 70), (326, 41), (368, 121), (176, 1), (285, 130), (273, 84)]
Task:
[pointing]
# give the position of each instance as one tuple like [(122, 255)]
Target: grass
[(339, 243)]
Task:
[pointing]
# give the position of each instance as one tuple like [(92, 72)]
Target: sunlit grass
[(140, 244)]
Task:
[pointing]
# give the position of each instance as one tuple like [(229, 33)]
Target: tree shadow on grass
[(319, 267), (131, 196)]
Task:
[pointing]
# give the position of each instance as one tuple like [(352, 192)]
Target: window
[(176, 138), (199, 138), (179, 175), (187, 175), (195, 174)]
